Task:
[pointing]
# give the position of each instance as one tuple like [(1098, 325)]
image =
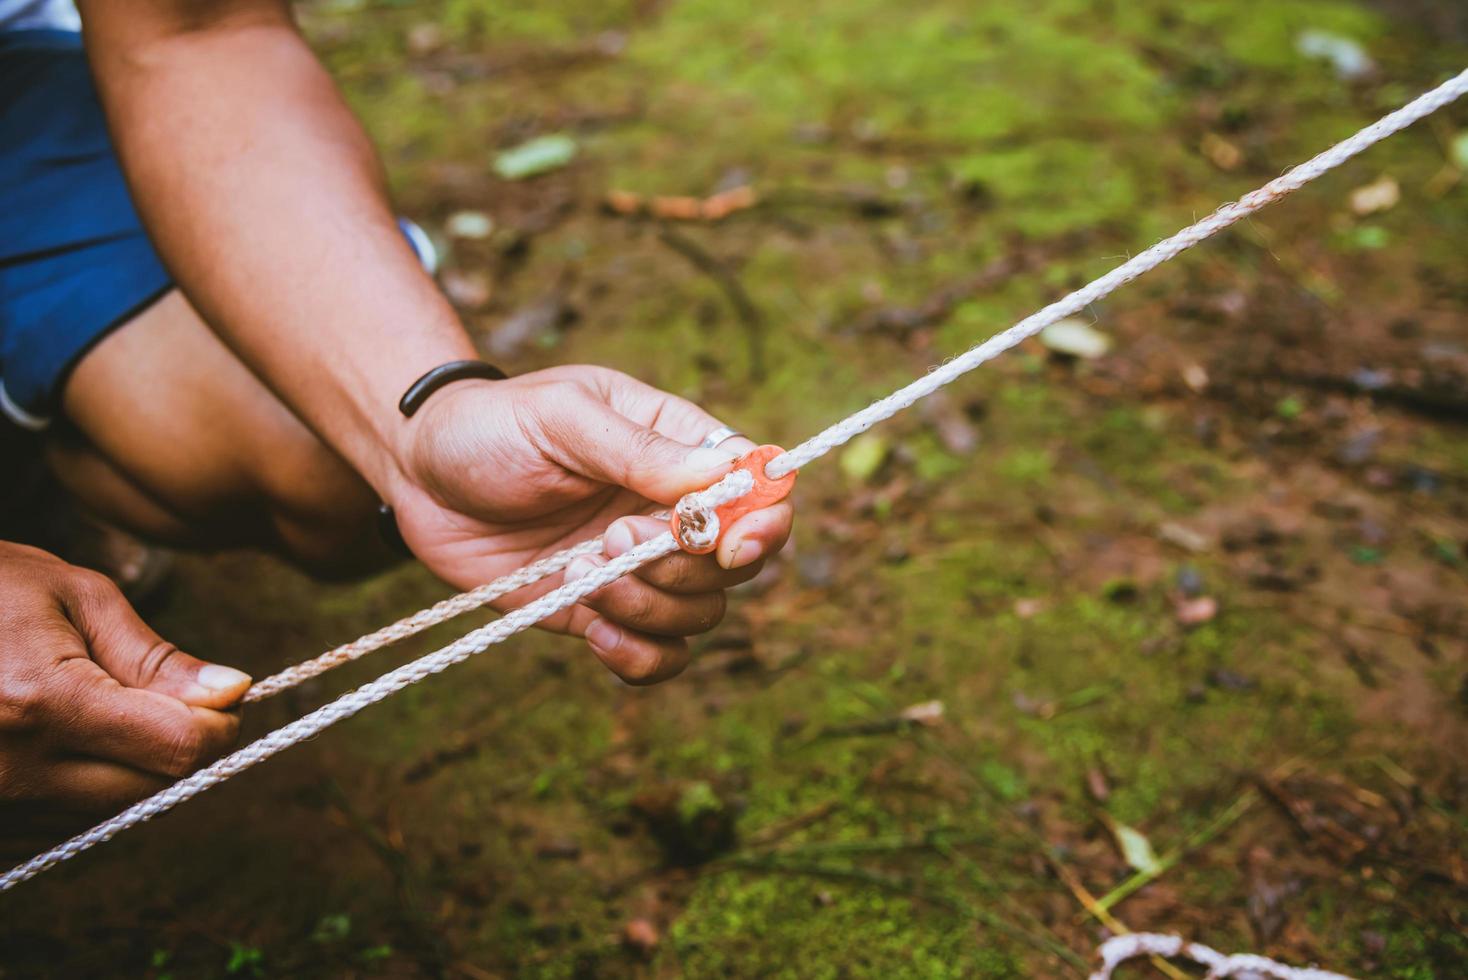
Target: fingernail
[(579, 568), (709, 459), (603, 635), (618, 539), (744, 552), (219, 678)]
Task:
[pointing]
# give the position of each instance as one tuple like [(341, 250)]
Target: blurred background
[(1156, 623)]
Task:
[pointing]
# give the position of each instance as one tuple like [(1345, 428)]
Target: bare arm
[(268, 205), (267, 202)]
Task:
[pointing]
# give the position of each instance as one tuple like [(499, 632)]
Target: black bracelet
[(445, 374), (418, 393)]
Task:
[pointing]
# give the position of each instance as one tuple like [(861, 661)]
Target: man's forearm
[(266, 201)]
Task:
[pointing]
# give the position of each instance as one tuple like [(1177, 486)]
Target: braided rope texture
[(853, 425), (720, 493), (1244, 966), (418, 622), (307, 726)]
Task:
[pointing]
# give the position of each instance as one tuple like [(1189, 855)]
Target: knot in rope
[(696, 518)]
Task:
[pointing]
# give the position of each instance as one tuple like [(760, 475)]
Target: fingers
[(632, 602), (589, 437), (643, 615), (88, 786), (94, 715), (637, 658), (68, 796), (123, 645), (679, 573), (756, 536)]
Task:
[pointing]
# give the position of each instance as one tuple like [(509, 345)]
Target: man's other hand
[(96, 711)]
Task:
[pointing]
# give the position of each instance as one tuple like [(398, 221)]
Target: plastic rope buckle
[(698, 532)]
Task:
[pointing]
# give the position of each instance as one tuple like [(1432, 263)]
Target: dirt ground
[(1196, 606)]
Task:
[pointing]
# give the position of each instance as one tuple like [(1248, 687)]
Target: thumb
[(593, 439), (123, 645)]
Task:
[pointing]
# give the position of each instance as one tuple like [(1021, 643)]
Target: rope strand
[(733, 486), (418, 622), (853, 425)]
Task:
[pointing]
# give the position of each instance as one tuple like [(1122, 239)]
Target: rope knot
[(700, 517), (696, 522)]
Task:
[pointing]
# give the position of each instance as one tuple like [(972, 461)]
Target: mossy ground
[(486, 823)]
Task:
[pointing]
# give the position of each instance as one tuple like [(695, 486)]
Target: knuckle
[(229, 731), (184, 750), (641, 606), (680, 573), (23, 705), (153, 661), (93, 588), (643, 453)]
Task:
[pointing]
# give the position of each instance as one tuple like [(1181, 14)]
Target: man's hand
[(95, 710), (501, 473), (204, 98)]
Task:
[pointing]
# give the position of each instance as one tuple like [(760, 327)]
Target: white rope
[(1241, 966), (853, 425), (422, 620), (730, 488)]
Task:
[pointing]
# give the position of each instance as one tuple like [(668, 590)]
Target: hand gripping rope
[(697, 517)]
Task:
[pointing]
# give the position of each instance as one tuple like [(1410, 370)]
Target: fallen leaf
[(425, 38), (1097, 786), (1220, 152), (1183, 537), (641, 936), (951, 425), (679, 208), (623, 202), (467, 290), (1458, 150), (1196, 378), (1135, 848), (538, 156), (469, 224), (537, 322), (864, 456), (1347, 57), (1075, 338), (1196, 612), (927, 713), (1379, 195), (725, 203), (559, 848), (1028, 608)]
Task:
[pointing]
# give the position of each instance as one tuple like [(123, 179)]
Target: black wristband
[(445, 374), (418, 393)]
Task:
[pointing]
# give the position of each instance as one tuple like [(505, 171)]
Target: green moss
[(773, 925), (1067, 126), (1023, 185)]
